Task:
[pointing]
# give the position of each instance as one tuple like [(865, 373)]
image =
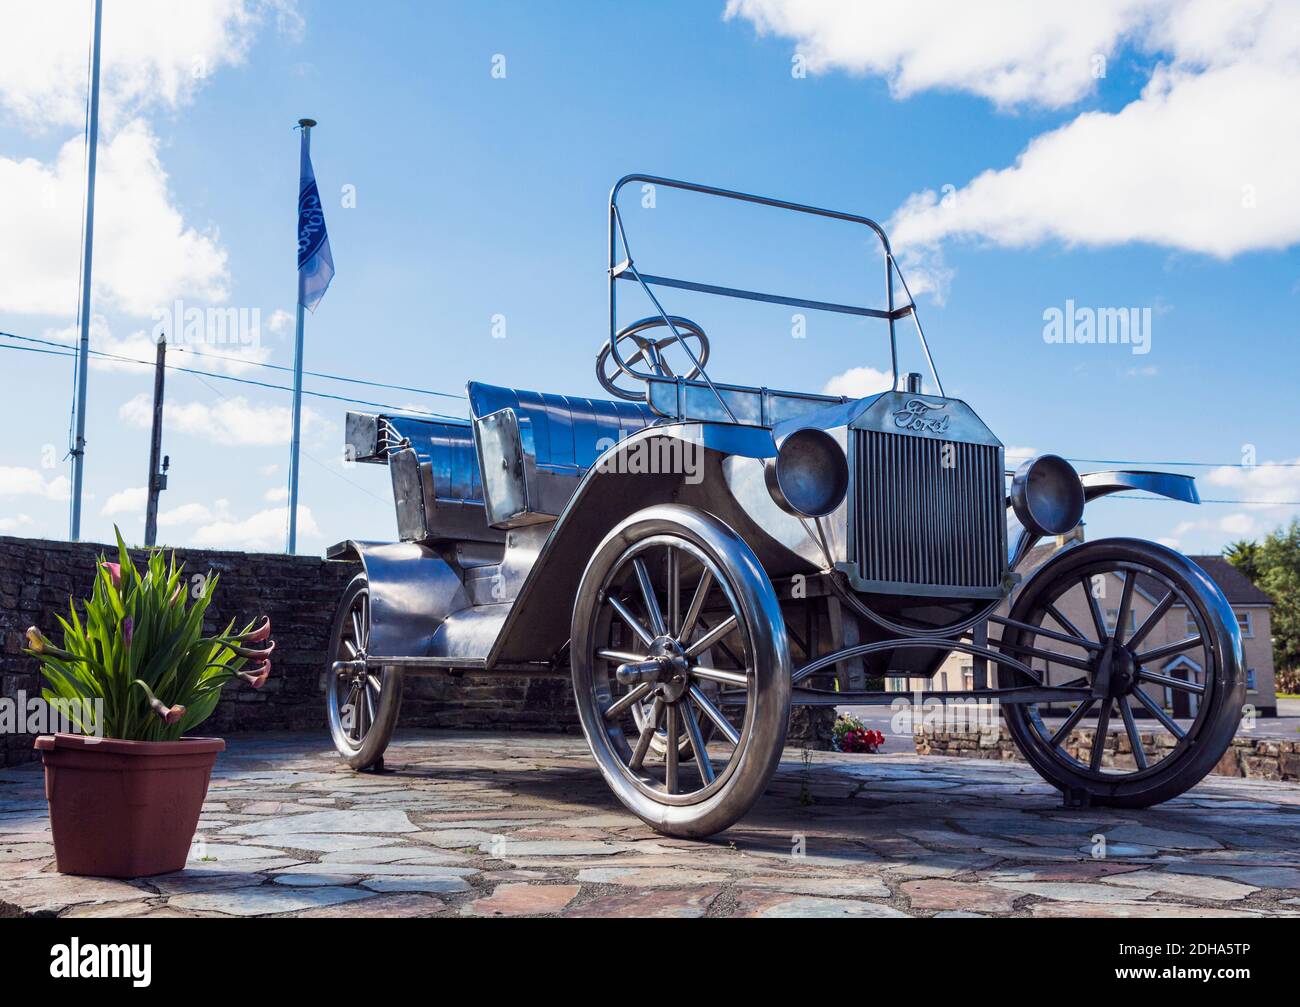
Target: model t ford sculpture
[(701, 556)]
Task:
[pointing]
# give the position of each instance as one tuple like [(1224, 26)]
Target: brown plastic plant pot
[(124, 809)]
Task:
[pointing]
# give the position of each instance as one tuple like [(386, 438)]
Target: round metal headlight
[(1047, 496), (809, 475)]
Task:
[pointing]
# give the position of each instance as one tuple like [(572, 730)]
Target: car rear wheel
[(361, 701)]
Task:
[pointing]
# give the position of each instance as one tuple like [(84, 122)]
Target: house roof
[(1234, 584)]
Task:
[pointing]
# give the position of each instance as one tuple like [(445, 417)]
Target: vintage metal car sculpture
[(699, 557)]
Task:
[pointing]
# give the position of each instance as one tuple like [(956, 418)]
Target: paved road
[(492, 825)]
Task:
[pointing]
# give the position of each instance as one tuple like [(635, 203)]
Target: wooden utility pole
[(157, 476)]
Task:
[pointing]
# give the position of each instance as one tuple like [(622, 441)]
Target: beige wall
[(1256, 640)]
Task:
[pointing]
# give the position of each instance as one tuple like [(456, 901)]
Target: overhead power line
[(58, 349), (71, 352)]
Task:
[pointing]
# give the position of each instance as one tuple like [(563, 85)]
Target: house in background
[(1252, 606)]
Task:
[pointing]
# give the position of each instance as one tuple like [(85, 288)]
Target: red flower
[(260, 633), (114, 573), (258, 676)]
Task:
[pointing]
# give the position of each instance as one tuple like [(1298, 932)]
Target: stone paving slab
[(497, 825)]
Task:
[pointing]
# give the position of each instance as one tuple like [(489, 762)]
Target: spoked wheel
[(361, 702), (1148, 631), (681, 670)]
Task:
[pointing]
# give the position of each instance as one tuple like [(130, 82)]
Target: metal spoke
[(1181, 684), (670, 750), (1152, 620), (1064, 730), (647, 735), (370, 705), (1065, 622), (712, 636), (365, 620), (1169, 650), (1099, 737), (697, 744), (1158, 712), (627, 700), (717, 716), (1074, 638), (697, 605), (648, 596), (1130, 725), (1047, 655), (621, 656), (1098, 620), (631, 620), (1125, 603), (674, 592), (353, 653), (740, 678), (356, 627), (375, 683)]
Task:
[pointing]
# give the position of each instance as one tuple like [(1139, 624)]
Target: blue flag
[(315, 263)]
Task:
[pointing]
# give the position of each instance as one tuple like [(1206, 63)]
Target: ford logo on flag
[(311, 223)]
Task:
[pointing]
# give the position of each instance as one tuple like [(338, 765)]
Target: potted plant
[(125, 793)]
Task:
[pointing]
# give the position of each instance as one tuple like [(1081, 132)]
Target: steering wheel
[(610, 362)]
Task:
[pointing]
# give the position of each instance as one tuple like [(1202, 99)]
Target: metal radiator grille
[(928, 512)]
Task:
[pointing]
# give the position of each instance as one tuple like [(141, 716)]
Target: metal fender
[(412, 590), (1100, 484)]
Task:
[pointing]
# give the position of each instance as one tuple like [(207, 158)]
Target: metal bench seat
[(534, 447)]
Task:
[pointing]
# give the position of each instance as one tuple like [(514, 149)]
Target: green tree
[(1274, 566), (1244, 555)]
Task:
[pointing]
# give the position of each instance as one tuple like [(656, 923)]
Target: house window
[(1191, 627), (968, 677), (1112, 617), (1243, 620), (1250, 680)]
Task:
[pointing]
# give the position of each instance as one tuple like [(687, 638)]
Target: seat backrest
[(540, 445), (568, 430)]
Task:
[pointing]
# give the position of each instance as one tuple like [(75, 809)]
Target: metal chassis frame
[(625, 269)]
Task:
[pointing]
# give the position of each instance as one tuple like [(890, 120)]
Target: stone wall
[(1257, 758), (299, 593)]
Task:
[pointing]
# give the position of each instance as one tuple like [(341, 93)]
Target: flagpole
[(305, 154), (83, 351)]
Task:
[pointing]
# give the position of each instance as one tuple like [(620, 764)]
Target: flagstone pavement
[(488, 825)]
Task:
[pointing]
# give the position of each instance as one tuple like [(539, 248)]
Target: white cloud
[(155, 53), (145, 253), (1274, 488), (232, 422), (858, 382), (279, 322), (1026, 51), (278, 495), (1019, 454), (16, 481), (10, 524), (141, 351), (127, 501), (1202, 161), (193, 513), (261, 532)]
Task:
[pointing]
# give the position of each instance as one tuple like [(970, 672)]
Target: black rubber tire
[(763, 738), (1214, 729), (370, 753)]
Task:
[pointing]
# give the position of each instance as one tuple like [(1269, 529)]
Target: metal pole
[(157, 480), (304, 155), (83, 353)]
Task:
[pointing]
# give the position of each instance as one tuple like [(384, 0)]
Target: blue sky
[(479, 196)]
